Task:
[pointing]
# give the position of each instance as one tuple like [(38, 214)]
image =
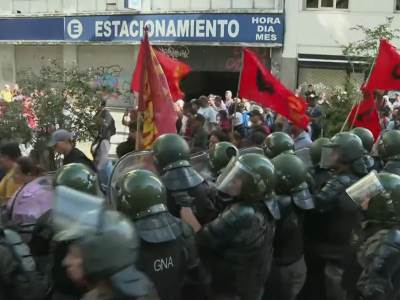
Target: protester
[(6, 94), (199, 138), (223, 121), (301, 137), (257, 122), (63, 143), (9, 154), (228, 99), (235, 112), (35, 196), (209, 114), (216, 137), (101, 145), (218, 104)]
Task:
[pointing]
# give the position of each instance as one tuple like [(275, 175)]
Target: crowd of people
[(274, 212)]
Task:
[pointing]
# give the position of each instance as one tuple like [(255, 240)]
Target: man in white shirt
[(208, 113), (228, 99)]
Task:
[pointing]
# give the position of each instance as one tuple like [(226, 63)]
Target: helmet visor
[(329, 157), (75, 213), (304, 155), (366, 188), (200, 162), (142, 160), (233, 178)]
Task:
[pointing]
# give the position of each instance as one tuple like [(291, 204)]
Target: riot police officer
[(220, 156), (237, 245), (103, 250), (379, 251), (168, 253), (319, 175), (367, 139), (288, 271), (171, 155), (78, 177), (389, 151), (277, 143), (328, 244), (19, 276)]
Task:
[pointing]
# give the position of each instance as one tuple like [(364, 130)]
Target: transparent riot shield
[(304, 155), (329, 157), (200, 161), (76, 214), (366, 188), (142, 160)]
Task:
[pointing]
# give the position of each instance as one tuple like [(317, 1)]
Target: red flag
[(365, 114), (154, 96), (385, 74), (258, 84), (174, 71)]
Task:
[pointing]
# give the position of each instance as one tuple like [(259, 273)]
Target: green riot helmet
[(316, 149), (366, 137), (108, 241), (277, 143), (112, 249), (389, 145), (344, 148), (141, 194), (77, 176), (221, 155), (385, 207), (250, 177), (169, 149), (290, 172)]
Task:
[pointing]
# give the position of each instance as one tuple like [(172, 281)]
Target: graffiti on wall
[(115, 85)]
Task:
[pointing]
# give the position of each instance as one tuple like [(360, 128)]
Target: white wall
[(7, 64), (27, 7), (35, 57), (325, 31)]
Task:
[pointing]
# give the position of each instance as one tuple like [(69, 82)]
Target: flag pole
[(347, 118), (138, 123), (237, 94)]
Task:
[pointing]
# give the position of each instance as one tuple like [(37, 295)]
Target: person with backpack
[(101, 146)]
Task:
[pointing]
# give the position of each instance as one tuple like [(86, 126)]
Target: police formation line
[(246, 224)]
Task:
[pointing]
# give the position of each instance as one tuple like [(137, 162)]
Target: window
[(397, 4), (339, 4)]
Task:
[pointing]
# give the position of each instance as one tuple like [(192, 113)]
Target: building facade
[(317, 30), (207, 34)]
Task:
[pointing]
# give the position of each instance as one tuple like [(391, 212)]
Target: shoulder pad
[(181, 178), (159, 228), (11, 237)]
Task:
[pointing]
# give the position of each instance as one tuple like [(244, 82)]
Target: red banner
[(173, 69), (154, 97), (259, 85), (365, 114), (385, 74)]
